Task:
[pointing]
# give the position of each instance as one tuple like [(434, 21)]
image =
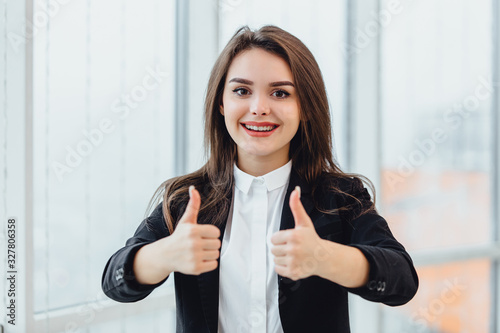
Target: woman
[(269, 235)]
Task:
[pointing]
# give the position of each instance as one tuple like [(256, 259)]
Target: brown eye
[(241, 91), (281, 94)]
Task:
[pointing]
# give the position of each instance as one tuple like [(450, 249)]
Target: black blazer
[(313, 304)]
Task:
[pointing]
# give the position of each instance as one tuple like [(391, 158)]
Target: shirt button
[(260, 181)]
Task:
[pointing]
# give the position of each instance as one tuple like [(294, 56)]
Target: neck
[(261, 165)]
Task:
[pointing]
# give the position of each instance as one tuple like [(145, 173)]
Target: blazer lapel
[(209, 294), (209, 290)]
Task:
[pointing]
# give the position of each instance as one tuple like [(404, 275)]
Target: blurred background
[(101, 101)]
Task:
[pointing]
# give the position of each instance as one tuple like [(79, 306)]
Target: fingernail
[(298, 190), (191, 188)]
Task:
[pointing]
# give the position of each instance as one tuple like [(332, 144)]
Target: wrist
[(147, 267), (343, 264), (161, 253), (327, 256)]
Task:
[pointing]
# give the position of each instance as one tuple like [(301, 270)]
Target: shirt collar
[(273, 180)]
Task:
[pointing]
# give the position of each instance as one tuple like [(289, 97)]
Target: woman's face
[(259, 91)]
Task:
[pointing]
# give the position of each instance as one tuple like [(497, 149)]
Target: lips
[(257, 133), (254, 123)]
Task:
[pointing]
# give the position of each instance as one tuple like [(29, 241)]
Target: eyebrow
[(272, 84)]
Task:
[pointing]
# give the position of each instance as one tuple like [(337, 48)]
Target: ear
[(222, 109)]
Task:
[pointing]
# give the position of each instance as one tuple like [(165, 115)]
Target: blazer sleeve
[(118, 279), (392, 278)]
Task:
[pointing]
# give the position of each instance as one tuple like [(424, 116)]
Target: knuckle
[(193, 243), (197, 268), (293, 237), (216, 231), (191, 258), (192, 232)]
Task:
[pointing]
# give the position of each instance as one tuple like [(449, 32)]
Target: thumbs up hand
[(195, 246), (295, 250)]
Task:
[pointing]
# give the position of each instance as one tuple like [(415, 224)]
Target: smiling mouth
[(260, 128)]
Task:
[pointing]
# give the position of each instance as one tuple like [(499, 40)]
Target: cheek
[(234, 110), (296, 124), (231, 119), (293, 116)]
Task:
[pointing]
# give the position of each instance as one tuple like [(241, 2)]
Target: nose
[(260, 105)]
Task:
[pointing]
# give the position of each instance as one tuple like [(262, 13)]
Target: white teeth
[(262, 129)]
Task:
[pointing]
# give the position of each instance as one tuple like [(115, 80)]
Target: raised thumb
[(193, 207), (299, 213)]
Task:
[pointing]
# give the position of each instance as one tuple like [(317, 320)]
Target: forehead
[(259, 65)]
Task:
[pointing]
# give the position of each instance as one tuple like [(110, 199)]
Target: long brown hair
[(310, 148)]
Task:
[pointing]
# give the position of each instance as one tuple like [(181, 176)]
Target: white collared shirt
[(248, 284)]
